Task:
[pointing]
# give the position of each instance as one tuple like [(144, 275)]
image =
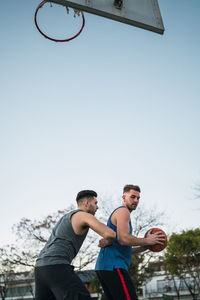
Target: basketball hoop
[(52, 39)]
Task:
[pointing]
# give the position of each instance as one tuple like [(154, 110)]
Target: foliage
[(17, 257), (144, 219), (6, 275), (182, 257), (95, 286), (35, 233), (141, 269)]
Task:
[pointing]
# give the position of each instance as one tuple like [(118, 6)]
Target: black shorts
[(117, 285), (59, 282)]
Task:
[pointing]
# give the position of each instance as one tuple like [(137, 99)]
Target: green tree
[(182, 258), (172, 282)]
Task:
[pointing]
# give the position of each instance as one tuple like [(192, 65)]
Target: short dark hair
[(85, 194), (129, 187)]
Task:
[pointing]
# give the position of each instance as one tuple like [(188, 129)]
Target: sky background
[(116, 105)]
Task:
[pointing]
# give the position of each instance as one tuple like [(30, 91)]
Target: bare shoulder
[(79, 221), (121, 213), (81, 216), (80, 213)]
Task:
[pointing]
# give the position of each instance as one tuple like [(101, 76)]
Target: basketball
[(157, 247)]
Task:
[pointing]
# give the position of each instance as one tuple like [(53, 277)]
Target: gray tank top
[(63, 244)]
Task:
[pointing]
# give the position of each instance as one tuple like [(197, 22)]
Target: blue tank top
[(116, 255)]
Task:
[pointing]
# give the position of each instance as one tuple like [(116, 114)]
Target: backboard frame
[(144, 14)]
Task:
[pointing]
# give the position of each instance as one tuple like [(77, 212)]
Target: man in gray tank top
[(55, 278)]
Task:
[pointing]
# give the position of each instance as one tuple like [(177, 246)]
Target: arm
[(106, 232), (139, 249), (126, 239)]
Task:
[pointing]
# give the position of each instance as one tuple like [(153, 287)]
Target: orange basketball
[(157, 247)]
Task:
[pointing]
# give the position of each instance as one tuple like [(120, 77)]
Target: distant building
[(20, 286), (162, 286)]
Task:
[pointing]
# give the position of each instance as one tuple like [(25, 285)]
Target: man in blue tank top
[(55, 278), (113, 261)]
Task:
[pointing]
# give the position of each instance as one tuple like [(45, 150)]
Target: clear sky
[(116, 105)]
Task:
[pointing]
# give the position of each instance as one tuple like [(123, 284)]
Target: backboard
[(140, 13)]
